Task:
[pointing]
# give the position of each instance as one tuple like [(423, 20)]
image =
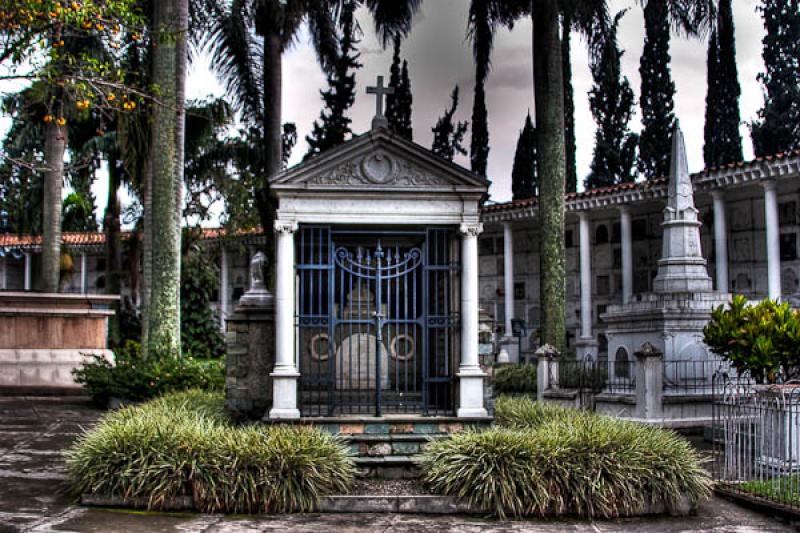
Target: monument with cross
[(379, 120), (376, 288)]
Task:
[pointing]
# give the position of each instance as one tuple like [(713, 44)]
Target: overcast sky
[(440, 57)]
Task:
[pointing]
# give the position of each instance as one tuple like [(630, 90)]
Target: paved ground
[(34, 432)]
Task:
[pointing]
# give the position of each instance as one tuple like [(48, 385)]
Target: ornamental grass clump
[(552, 462), (183, 445)]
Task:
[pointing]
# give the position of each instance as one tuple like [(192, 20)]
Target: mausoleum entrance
[(377, 320)]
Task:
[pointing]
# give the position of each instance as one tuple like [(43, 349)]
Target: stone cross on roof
[(379, 120)]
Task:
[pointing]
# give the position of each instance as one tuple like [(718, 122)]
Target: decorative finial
[(379, 120)]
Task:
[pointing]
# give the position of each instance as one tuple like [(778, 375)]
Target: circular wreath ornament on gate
[(410, 348), (316, 354)]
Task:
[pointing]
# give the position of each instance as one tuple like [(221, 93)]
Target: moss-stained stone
[(451, 427), (396, 429), (426, 428), (351, 429), (405, 448), (376, 429)]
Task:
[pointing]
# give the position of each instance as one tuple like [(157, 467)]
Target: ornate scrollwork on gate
[(382, 264)]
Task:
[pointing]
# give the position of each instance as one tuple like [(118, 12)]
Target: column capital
[(468, 229), (624, 209), (718, 194), (285, 226), (583, 216), (769, 185)]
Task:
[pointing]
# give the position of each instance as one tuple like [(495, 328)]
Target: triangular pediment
[(378, 160)]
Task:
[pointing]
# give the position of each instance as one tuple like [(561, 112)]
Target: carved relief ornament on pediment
[(378, 169)]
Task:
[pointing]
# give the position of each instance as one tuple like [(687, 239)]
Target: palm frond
[(392, 17)]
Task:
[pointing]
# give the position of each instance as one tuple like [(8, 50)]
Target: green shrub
[(200, 332), (763, 339), (550, 461), (134, 378), (524, 412), (183, 445), (517, 379)]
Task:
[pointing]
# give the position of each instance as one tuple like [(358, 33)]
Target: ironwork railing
[(693, 376), (586, 374), (756, 434)]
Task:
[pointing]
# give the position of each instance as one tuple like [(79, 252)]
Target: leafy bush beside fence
[(515, 379), (546, 460), (183, 445), (134, 378)]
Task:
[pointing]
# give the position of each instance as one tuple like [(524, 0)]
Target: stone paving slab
[(32, 497)]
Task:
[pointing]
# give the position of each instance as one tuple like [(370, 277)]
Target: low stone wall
[(43, 337)]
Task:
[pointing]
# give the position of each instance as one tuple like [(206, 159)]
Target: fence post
[(649, 382), (546, 358)]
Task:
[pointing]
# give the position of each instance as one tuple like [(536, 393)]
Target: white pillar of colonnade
[(586, 343), (720, 241), (508, 276), (773, 240)]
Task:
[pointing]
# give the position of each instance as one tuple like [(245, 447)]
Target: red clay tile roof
[(602, 191), (89, 238)]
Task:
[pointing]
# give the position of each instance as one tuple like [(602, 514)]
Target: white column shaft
[(284, 375), (469, 301), (3, 275), (84, 273), (470, 376), (720, 241), (627, 254), (773, 240), (28, 269), (508, 274), (586, 277), (284, 302)]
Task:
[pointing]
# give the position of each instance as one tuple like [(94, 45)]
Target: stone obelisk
[(682, 267)]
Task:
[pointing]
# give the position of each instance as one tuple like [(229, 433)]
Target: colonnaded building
[(750, 215)]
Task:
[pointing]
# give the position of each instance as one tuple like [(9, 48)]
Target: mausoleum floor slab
[(34, 432)]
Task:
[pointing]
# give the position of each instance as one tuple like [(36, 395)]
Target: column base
[(471, 382), (586, 346), (284, 395)]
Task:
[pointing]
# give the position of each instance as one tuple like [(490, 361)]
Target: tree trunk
[(181, 60), (550, 146), (54, 146), (273, 79), (113, 249), (162, 325)]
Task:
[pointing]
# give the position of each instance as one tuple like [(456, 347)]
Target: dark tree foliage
[(778, 126), (288, 140), (448, 136), (571, 177), (723, 142), (333, 127), (524, 182), (479, 142), (398, 104), (200, 331), (658, 91), (611, 101), (78, 213)]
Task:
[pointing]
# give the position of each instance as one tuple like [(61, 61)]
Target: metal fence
[(693, 376), (756, 433), (614, 377)]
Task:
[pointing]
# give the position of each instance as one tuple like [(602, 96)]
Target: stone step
[(389, 466), (389, 445)]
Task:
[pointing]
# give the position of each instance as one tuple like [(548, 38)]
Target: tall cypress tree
[(657, 93), (611, 101), (333, 127), (479, 142), (571, 178), (723, 142), (524, 183), (448, 136), (778, 127), (398, 104)]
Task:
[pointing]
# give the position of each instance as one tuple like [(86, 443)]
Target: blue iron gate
[(377, 320)]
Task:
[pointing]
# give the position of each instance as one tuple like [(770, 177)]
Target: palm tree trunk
[(273, 79), (181, 60), (550, 146), (162, 325), (113, 251), (54, 147)]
